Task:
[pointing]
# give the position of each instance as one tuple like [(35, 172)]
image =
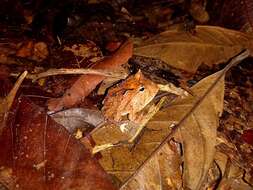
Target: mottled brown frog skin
[(129, 97)]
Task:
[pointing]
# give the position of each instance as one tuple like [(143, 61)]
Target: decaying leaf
[(209, 45), (38, 153)]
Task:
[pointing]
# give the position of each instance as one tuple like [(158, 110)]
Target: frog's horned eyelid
[(141, 89)]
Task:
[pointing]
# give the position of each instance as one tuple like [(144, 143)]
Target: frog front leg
[(143, 118)]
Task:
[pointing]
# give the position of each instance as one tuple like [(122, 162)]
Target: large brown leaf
[(209, 45), (197, 131), (198, 137), (38, 153), (197, 134)]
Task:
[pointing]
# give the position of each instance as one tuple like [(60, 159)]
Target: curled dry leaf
[(209, 45), (38, 153), (87, 83)]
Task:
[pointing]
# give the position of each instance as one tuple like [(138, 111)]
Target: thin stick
[(7, 102), (13, 92), (237, 59), (53, 72)]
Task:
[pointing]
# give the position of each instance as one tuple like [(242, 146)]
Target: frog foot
[(125, 127)]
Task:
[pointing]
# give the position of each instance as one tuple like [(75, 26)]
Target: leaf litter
[(185, 138)]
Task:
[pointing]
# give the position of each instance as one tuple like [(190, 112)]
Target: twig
[(7, 102), (237, 59), (52, 72), (13, 92)]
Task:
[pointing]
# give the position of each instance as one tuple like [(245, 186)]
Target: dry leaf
[(198, 134), (209, 45), (38, 153), (202, 123), (202, 126), (163, 172)]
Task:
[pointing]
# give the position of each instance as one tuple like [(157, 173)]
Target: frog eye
[(141, 89)]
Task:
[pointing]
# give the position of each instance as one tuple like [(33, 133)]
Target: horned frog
[(131, 97)]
